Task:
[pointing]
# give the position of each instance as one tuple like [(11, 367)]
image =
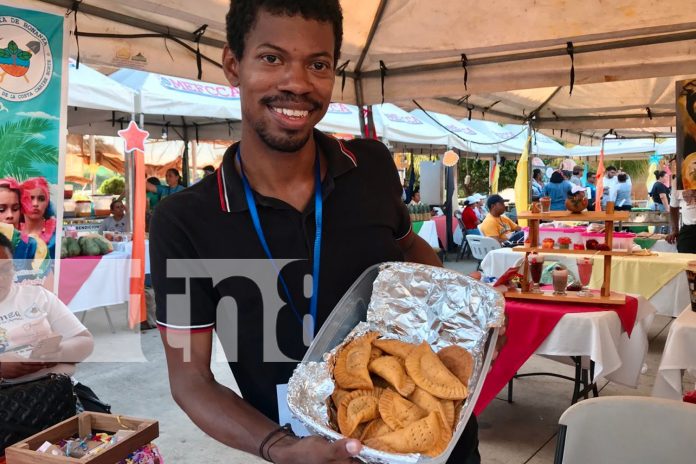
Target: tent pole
[(529, 160), (93, 162), (194, 160), (449, 191), (185, 157), (371, 122), (360, 103)]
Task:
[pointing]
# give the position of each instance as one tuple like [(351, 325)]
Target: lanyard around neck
[(316, 258)]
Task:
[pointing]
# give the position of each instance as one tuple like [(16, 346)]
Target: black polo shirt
[(363, 219)]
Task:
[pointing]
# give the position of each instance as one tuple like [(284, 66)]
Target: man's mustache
[(276, 100)]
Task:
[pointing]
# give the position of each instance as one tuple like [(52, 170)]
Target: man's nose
[(295, 79)]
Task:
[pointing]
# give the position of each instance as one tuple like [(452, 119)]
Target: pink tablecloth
[(529, 324), (441, 225), (74, 272)]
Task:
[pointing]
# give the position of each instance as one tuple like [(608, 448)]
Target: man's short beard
[(287, 144)]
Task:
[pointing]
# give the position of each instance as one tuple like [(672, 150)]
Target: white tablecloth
[(679, 354), (670, 300), (428, 232), (600, 336), (127, 247), (108, 284), (663, 246)]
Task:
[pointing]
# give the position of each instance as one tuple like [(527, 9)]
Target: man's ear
[(230, 66)]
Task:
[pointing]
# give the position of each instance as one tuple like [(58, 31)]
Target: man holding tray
[(289, 195)]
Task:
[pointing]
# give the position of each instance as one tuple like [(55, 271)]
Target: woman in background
[(557, 189), (38, 219), (173, 179), (28, 251), (660, 192)]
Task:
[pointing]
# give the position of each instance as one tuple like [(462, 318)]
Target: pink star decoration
[(134, 136)]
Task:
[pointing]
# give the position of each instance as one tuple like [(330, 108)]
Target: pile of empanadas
[(399, 397)]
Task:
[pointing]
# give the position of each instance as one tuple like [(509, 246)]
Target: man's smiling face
[(285, 77)]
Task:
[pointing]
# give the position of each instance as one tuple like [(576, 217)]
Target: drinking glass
[(536, 268), (584, 274)]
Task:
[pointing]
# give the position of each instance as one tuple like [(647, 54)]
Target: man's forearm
[(674, 219), (419, 251), (222, 414)]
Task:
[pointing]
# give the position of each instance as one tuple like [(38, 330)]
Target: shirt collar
[(231, 189)]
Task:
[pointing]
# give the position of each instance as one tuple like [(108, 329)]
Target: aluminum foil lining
[(413, 303)]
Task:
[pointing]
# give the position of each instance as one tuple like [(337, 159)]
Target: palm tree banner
[(32, 120)]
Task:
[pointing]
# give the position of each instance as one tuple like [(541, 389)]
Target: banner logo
[(26, 63)]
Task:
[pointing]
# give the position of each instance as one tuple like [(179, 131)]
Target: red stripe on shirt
[(221, 191), (347, 152)]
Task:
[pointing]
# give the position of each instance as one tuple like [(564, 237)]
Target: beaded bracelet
[(266, 444)]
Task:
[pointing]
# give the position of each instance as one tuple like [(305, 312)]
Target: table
[(106, 284), (670, 299), (679, 354), (441, 225), (600, 337), (427, 230)]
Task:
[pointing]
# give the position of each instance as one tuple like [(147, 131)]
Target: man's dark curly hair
[(242, 15)]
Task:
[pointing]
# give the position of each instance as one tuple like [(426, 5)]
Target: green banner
[(31, 92)]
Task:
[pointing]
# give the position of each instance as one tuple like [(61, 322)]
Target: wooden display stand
[(606, 296), (144, 432)]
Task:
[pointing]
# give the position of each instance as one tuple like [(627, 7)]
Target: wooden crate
[(146, 431)]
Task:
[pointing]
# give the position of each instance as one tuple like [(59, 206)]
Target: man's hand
[(311, 450), (672, 238)]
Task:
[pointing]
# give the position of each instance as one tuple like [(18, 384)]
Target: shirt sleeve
[(61, 319), (185, 296), (104, 224), (490, 228), (674, 201)]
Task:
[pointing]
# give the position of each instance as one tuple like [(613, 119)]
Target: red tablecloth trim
[(74, 272), (529, 324)]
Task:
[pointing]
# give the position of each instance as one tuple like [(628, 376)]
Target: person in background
[(537, 184), (576, 178), (660, 192), (497, 225), (567, 174), (37, 213), (416, 200), (623, 193), (479, 207), (173, 186), (28, 251), (30, 314), (208, 170), (592, 185), (557, 189), (118, 221), (684, 236), (152, 196), (469, 218), (567, 164)]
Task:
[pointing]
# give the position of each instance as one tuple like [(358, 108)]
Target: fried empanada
[(428, 402), (350, 371), (374, 429), (398, 412), (393, 371), (338, 395), (442, 442), (357, 407), (375, 353), (459, 362), (419, 437), (428, 372), (394, 347)]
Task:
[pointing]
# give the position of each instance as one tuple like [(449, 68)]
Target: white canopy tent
[(93, 97), (396, 125), (466, 136), (341, 119), (514, 52), (183, 107)]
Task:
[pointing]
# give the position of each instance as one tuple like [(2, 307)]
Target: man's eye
[(270, 59), (319, 66)]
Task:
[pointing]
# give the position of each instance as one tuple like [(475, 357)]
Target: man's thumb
[(346, 448)]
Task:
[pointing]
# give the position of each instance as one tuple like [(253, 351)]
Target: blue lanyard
[(318, 209)]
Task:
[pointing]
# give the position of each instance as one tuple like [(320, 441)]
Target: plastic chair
[(464, 248), (480, 246), (627, 430)]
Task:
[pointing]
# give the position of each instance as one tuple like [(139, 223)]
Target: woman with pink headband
[(38, 217)]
